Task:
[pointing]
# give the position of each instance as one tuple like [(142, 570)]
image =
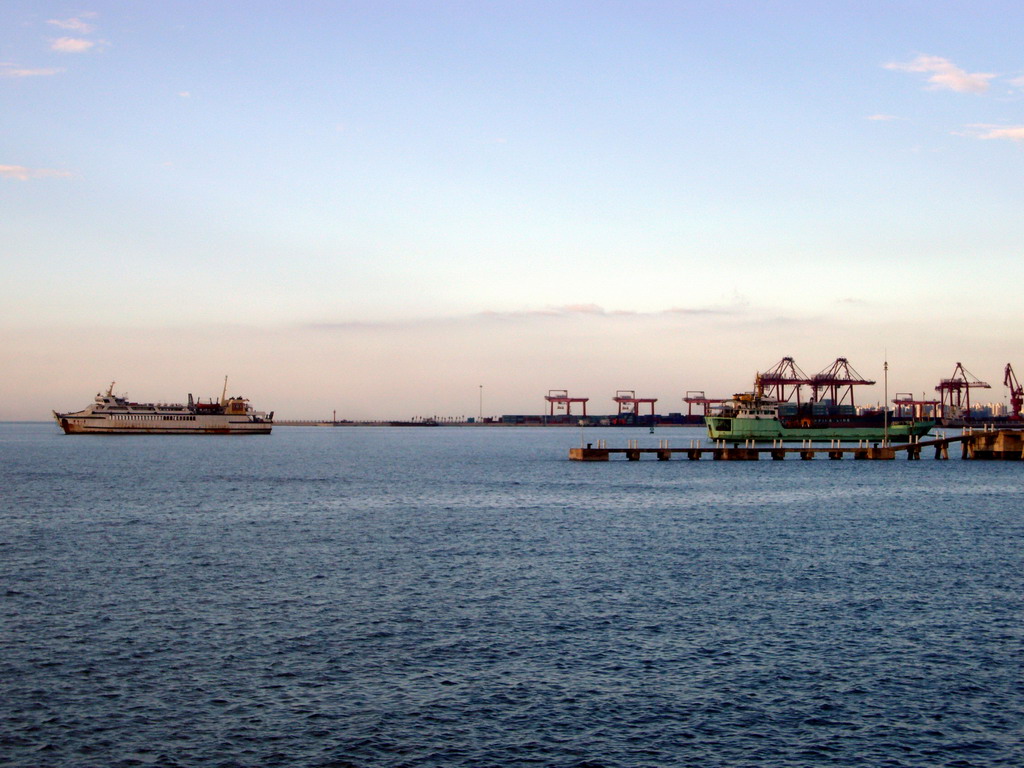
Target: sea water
[(469, 597)]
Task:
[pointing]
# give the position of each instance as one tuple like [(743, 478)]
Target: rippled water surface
[(469, 597)]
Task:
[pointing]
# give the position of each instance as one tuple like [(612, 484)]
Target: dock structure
[(1000, 444)]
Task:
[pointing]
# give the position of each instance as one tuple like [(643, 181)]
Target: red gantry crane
[(559, 398), (836, 383), (785, 373), (907, 406), (1016, 392), (696, 397), (955, 393), (629, 403)]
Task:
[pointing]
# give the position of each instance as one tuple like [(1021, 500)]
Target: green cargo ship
[(753, 417)]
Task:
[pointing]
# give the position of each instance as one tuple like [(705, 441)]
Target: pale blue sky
[(376, 207)]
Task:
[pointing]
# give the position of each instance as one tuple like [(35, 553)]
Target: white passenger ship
[(114, 414)]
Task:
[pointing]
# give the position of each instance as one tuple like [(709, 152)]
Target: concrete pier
[(1003, 445), (998, 444)]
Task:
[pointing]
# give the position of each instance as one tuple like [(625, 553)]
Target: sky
[(398, 209)]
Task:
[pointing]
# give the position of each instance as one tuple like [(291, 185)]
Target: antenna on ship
[(224, 394), (110, 389)]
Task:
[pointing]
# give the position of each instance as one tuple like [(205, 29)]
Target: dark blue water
[(468, 597)]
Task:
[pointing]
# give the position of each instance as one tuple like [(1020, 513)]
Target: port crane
[(1016, 392), (955, 393), (559, 398), (837, 382), (908, 406), (696, 397), (629, 403), (785, 373)]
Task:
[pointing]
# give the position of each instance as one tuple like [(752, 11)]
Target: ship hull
[(767, 429), (76, 425)]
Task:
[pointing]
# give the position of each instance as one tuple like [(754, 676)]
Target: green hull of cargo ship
[(768, 429)]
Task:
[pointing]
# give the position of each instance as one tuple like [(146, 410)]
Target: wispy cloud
[(594, 310), (21, 173), (564, 312), (9, 70), (74, 24), (568, 310), (882, 117), (944, 74), (71, 45), (1007, 132)]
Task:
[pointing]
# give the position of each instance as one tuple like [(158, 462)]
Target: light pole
[(885, 405), (481, 402)]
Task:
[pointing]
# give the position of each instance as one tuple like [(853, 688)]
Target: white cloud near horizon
[(21, 173), (71, 45), (945, 75), (882, 117)]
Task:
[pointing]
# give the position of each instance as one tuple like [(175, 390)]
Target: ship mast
[(224, 394)]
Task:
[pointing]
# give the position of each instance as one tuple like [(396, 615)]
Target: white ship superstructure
[(115, 414)]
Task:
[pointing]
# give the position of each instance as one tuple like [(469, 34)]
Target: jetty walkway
[(1002, 444)]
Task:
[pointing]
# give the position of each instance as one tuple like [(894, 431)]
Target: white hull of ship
[(201, 425)]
